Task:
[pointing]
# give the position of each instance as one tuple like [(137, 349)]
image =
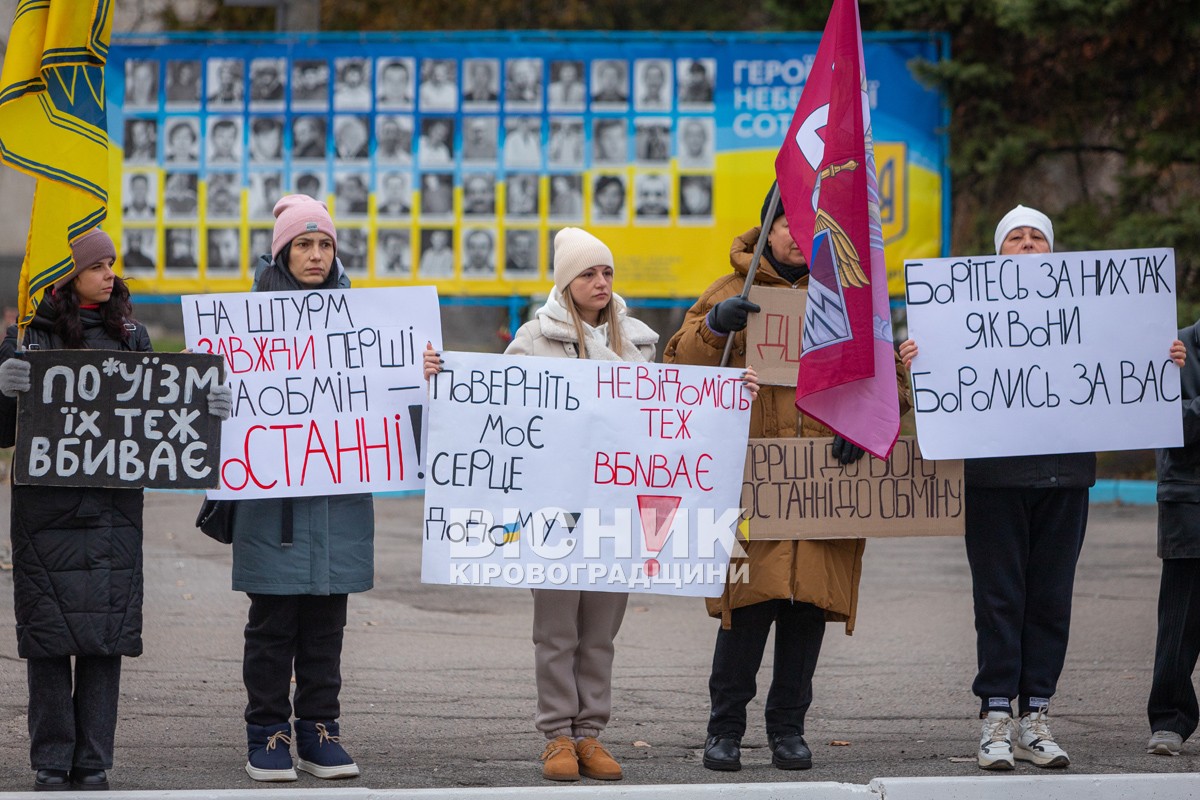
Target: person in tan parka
[(797, 585)]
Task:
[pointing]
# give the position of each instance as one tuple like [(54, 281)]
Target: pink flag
[(826, 172)]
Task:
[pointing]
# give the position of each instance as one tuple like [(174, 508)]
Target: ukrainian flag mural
[(453, 158)]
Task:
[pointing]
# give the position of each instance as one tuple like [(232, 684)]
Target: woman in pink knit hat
[(574, 629), (299, 559)]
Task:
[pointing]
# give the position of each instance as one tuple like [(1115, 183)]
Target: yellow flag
[(53, 126)]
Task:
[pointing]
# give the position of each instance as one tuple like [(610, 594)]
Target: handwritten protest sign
[(328, 392), (576, 474), (118, 419), (773, 335), (796, 489), (1044, 353)]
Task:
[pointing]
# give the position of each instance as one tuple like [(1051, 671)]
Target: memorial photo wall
[(455, 159)]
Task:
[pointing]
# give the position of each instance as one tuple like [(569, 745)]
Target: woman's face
[(311, 258), (94, 284), (783, 246), (610, 199), (592, 289), (1024, 240)]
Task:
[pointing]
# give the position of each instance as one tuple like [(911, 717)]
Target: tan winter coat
[(825, 573)]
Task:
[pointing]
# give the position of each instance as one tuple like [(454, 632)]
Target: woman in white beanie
[(1025, 521), (573, 630)]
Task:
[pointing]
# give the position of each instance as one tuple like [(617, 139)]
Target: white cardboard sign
[(1044, 353), (581, 474), (328, 391)]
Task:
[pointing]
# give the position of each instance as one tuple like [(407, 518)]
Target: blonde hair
[(616, 342)]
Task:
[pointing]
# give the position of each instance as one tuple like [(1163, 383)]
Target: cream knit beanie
[(576, 250)]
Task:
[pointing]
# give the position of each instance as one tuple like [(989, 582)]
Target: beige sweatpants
[(573, 636)]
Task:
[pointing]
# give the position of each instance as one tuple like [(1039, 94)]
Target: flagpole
[(772, 204)]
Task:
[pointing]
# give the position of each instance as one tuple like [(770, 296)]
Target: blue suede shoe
[(320, 749), (269, 752)]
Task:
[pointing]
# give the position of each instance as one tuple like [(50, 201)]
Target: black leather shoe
[(89, 779), (723, 753), (790, 752), (51, 780)]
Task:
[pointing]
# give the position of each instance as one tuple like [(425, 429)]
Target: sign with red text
[(1044, 353), (773, 334), (796, 489), (580, 474), (328, 391)]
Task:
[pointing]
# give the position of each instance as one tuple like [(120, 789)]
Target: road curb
[(1174, 786)]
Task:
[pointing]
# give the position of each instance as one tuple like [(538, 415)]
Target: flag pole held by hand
[(772, 204)]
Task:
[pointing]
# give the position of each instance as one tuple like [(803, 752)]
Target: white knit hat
[(1022, 217), (576, 250)]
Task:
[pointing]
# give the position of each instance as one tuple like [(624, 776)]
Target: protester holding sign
[(298, 559), (573, 630), (77, 552), (1025, 522), (795, 585), (1172, 707)]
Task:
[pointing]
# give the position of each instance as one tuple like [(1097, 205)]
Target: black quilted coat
[(77, 553)]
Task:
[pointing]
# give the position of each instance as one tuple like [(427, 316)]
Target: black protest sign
[(114, 419)]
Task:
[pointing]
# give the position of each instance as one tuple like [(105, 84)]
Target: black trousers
[(73, 717), (1172, 705), (1023, 545), (799, 629), (293, 632)]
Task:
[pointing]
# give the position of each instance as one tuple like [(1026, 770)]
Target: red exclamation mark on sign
[(656, 513), (414, 416)]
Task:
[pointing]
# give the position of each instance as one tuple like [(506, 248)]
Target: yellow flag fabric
[(53, 127)]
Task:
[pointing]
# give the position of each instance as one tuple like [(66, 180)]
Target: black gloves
[(730, 315), (846, 452)]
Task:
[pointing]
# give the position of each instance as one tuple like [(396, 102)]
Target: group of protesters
[(78, 558)]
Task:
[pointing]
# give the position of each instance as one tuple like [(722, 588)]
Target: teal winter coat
[(332, 548)]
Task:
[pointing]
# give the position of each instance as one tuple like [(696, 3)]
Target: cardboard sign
[(1044, 353), (773, 343), (795, 489), (580, 474), (328, 391), (116, 419)]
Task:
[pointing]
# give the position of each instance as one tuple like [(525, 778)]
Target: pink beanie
[(91, 248), (296, 214)]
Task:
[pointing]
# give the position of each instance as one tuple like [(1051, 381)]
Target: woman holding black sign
[(77, 552), (298, 559)]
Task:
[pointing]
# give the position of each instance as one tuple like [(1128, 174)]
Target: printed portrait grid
[(434, 168)]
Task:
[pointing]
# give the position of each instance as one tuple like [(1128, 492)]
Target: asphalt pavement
[(438, 681)]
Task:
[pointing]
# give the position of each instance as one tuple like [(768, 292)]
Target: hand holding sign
[(14, 377)]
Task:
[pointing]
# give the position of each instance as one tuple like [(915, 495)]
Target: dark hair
[(115, 313)]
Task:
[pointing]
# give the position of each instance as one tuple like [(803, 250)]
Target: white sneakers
[(1164, 743), (995, 742), (1034, 742)]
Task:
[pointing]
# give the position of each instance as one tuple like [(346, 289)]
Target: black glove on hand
[(846, 452), (730, 315)]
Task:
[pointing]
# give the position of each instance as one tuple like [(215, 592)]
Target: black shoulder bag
[(215, 519)]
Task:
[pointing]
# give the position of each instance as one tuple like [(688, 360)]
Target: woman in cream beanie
[(573, 630)]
